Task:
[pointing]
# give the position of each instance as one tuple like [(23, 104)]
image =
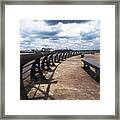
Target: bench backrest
[(91, 63)]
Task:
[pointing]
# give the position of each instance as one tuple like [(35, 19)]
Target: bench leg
[(97, 74)]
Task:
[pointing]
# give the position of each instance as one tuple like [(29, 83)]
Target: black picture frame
[(2, 56)]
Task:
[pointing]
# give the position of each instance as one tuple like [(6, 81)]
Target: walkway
[(73, 82)]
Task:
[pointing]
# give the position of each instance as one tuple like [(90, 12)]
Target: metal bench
[(37, 75), (31, 75), (45, 63), (35, 69), (50, 60), (92, 67)]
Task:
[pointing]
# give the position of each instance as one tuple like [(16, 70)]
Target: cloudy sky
[(60, 34)]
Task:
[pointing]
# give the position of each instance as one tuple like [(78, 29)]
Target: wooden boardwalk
[(73, 82)]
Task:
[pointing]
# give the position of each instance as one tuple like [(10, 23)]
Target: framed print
[(60, 60)]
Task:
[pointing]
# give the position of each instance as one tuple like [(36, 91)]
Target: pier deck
[(73, 82)]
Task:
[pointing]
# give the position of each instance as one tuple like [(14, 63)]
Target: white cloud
[(33, 35), (31, 25), (75, 29), (26, 25)]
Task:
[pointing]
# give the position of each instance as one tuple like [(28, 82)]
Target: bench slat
[(91, 62)]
